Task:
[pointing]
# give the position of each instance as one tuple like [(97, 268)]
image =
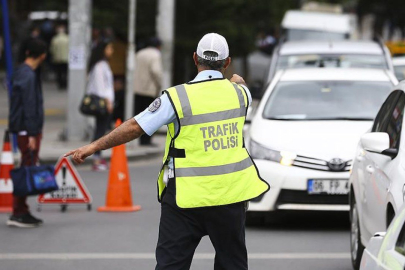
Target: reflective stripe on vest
[(240, 96), (212, 117), (190, 119), (185, 103), (215, 170)]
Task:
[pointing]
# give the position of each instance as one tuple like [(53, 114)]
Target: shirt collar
[(208, 75)]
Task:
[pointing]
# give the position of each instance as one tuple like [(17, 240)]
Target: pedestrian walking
[(101, 83), (207, 176), (147, 79), (60, 52), (26, 119)]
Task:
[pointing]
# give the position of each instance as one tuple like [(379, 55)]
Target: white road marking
[(314, 207), (198, 256)]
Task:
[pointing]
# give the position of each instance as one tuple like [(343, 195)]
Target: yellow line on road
[(53, 111)]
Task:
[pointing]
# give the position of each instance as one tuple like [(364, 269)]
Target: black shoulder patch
[(155, 105)]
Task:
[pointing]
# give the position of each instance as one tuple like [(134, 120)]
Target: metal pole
[(79, 46), (165, 30), (9, 58), (7, 45), (129, 95)]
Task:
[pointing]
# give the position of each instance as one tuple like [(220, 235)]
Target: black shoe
[(23, 221), (40, 221)]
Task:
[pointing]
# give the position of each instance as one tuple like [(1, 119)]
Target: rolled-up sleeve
[(150, 121)]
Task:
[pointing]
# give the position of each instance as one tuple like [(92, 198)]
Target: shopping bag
[(33, 180)]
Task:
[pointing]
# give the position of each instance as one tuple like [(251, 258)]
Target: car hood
[(317, 139)]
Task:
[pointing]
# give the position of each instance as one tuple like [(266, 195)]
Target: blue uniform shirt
[(150, 122)]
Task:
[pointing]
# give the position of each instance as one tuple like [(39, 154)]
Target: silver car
[(399, 67), (315, 54), (387, 250)]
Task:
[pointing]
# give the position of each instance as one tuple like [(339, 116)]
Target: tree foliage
[(239, 21)]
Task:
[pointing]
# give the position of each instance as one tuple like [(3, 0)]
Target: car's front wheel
[(356, 247)]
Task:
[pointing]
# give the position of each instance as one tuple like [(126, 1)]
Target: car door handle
[(370, 169)]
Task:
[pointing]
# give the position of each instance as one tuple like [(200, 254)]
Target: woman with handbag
[(101, 84)]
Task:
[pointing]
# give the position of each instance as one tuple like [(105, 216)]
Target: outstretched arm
[(128, 131)]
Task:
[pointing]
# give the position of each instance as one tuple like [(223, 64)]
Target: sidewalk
[(55, 121)]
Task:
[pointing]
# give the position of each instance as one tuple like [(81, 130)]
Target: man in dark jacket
[(26, 119)]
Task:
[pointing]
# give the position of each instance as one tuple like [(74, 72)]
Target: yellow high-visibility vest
[(211, 165)]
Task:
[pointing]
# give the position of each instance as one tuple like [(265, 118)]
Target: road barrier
[(6, 185), (72, 190)]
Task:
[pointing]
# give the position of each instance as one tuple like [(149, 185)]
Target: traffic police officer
[(207, 175)]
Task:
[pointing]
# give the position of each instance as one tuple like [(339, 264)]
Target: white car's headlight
[(259, 151)]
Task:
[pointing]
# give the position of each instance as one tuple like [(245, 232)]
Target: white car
[(343, 54), (304, 134), (386, 251), (310, 25), (399, 67), (377, 181)]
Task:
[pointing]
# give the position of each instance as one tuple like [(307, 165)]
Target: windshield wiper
[(341, 118), (286, 119)]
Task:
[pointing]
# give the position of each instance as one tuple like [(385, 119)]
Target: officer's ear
[(195, 59), (227, 63)]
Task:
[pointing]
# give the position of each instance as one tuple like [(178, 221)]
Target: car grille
[(302, 197), (320, 165)]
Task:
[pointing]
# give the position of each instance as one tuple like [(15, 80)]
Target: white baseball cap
[(213, 42)]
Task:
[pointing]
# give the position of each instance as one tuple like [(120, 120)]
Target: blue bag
[(33, 180)]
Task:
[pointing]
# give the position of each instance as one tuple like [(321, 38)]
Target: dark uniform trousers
[(181, 230)]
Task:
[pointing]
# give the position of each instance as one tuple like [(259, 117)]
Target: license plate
[(328, 186)]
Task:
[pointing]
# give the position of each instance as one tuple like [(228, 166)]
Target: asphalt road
[(79, 239)]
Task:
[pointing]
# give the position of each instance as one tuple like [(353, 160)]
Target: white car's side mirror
[(375, 141), (375, 242), (378, 142)]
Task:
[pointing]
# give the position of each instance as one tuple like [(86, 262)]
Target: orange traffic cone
[(119, 197), (6, 185)]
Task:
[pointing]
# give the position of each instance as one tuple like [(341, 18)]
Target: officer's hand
[(237, 79), (80, 154)]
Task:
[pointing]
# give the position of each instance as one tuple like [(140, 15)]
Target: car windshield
[(326, 100), (301, 34), (337, 60), (400, 72)]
